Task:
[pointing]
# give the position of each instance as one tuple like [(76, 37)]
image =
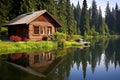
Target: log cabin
[(38, 25)]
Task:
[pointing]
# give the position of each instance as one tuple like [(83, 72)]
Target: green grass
[(73, 43), (74, 37), (31, 46)]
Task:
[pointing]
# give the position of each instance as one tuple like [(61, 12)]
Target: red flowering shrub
[(15, 38), (26, 39)]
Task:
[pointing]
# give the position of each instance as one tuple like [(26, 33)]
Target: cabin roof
[(29, 17)]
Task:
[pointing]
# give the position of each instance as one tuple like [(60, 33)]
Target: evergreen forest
[(75, 20)]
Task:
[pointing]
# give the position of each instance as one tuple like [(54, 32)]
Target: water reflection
[(101, 61), (39, 62), (112, 54), (19, 58)]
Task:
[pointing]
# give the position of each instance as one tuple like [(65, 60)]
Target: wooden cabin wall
[(41, 21), (46, 18)]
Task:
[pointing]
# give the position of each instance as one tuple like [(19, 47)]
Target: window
[(36, 29), (49, 30), (43, 31)]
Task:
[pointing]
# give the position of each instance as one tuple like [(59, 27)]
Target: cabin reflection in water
[(43, 62), (41, 58)]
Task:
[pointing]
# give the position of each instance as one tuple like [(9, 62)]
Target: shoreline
[(32, 46)]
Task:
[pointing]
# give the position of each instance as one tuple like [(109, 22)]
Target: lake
[(100, 61)]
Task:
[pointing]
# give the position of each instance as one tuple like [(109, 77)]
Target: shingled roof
[(28, 17)]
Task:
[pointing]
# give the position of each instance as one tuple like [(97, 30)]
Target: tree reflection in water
[(76, 64)]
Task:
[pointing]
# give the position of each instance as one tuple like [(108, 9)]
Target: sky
[(101, 3)]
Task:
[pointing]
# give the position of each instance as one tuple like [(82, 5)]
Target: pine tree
[(51, 7), (94, 15), (75, 11), (113, 22), (39, 5), (117, 18), (27, 6), (107, 16), (118, 22), (61, 15), (14, 11), (84, 20), (90, 16), (70, 18), (20, 7), (75, 17), (77, 14), (102, 26), (111, 19)]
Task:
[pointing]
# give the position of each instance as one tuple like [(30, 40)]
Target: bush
[(15, 38), (68, 37), (61, 44), (4, 31), (26, 39), (59, 36)]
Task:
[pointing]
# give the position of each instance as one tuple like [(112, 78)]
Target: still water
[(101, 61)]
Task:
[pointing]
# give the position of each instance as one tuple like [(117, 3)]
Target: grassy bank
[(30, 46), (73, 43), (60, 40)]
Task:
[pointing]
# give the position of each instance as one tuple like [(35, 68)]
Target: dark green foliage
[(70, 19), (60, 9), (66, 17), (77, 14), (27, 6), (117, 19), (14, 10), (59, 36), (4, 6), (84, 20), (40, 4), (108, 16), (94, 16), (112, 18), (74, 20), (97, 23), (61, 15), (20, 7), (49, 5), (102, 26), (100, 20)]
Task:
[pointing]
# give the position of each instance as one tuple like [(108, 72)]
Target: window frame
[(43, 30), (49, 30), (36, 30)]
